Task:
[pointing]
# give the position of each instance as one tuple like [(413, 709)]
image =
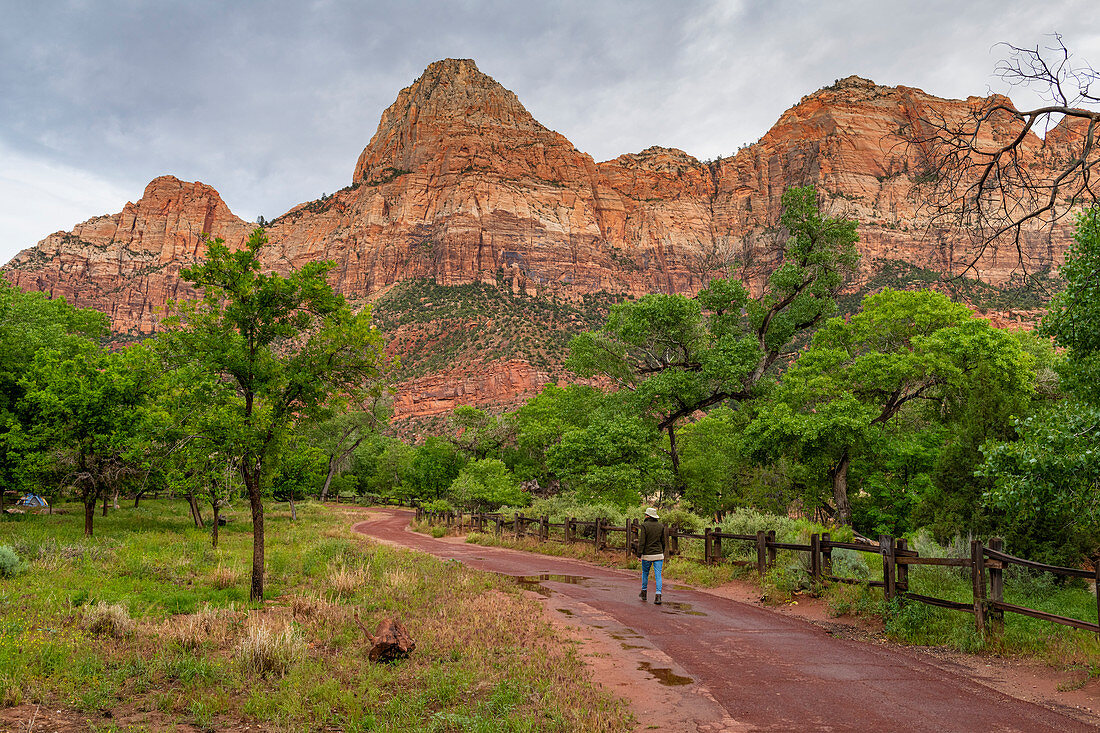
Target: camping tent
[(32, 500)]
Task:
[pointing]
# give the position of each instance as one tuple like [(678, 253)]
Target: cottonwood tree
[(31, 323), (88, 408), (345, 427), (1053, 466), (674, 356), (987, 170), (285, 345), (858, 374)]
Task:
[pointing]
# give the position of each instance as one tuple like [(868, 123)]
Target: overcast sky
[(272, 102)]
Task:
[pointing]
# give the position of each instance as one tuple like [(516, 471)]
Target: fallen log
[(391, 642)]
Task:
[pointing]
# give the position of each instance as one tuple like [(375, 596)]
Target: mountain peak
[(452, 99)]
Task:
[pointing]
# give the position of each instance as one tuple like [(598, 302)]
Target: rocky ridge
[(460, 184)]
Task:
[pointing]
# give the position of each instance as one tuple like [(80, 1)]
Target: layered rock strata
[(461, 184)]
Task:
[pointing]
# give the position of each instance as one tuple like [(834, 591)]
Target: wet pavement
[(728, 666)]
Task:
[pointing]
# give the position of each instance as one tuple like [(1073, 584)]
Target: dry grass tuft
[(267, 651), (345, 581), (223, 577), (191, 631), (400, 580), (316, 609), (108, 620)]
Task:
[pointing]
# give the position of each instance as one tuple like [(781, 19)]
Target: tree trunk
[(675, 455), (114, 498), (196, 515), (839, 476), (328, 478), (293, 511), (256, 593), (214, 527), (105, 498), (89, 510)]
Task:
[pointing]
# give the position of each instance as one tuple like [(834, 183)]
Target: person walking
[(651, 549)]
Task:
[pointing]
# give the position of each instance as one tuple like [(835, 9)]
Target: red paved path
[(755, 670)]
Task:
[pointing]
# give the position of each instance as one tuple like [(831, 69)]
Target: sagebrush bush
[(108, 620), (270, 652), (10, 564)]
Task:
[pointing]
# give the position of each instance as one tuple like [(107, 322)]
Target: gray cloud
[(271, 102)]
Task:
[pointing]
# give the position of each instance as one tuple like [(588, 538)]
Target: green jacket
[(651, 537)]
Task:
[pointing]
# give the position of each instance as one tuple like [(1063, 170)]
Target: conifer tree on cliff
[(283, 346)]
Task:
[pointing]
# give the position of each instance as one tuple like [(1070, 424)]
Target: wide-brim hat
[(651, 512)]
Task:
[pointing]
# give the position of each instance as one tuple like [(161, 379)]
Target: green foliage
[(1046, 480), (611, 460), (675, 356), (10, 564), (33, 326), (432, 469), (839, 401), (1074, 315), (281, 347), (485, 484)]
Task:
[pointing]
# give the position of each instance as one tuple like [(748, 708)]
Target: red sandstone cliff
[(461, 184)]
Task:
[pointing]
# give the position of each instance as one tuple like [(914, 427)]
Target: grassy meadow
[(146, 623)]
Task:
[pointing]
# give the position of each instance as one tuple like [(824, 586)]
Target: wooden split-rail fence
[(986, 563)]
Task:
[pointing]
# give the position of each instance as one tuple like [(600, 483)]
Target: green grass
[(485, 660)]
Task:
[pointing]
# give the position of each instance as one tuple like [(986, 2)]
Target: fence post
[(670, 542), (716, 544), (771, 548), (1096, 574), (460, 521), (977, 574), (902, 548), (826, 554), (996, 588), (706, 545), (516, 525), (569, 529), (886, 547), (815, 557), (629, 538), (761, 553), (599, 530)]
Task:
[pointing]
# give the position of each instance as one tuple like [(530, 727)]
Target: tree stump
[(391, 642)]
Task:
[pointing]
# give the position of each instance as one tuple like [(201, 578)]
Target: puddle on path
[(625, 634), (566, 611), (664, 675), (535, 582), (677, 607)]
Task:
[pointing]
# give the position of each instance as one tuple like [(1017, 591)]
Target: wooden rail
[(986, 564)]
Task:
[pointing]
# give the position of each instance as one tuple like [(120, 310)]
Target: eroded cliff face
[(460, 184), (127, 265)]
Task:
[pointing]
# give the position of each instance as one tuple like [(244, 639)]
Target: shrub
[(10, 563), (108, 620), (265, 651)]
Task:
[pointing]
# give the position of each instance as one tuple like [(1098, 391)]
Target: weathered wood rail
[(986, 564)]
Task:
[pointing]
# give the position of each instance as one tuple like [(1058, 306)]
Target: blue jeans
[(656, 573)]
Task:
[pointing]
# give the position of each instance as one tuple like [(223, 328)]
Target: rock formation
[(461, 184)]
